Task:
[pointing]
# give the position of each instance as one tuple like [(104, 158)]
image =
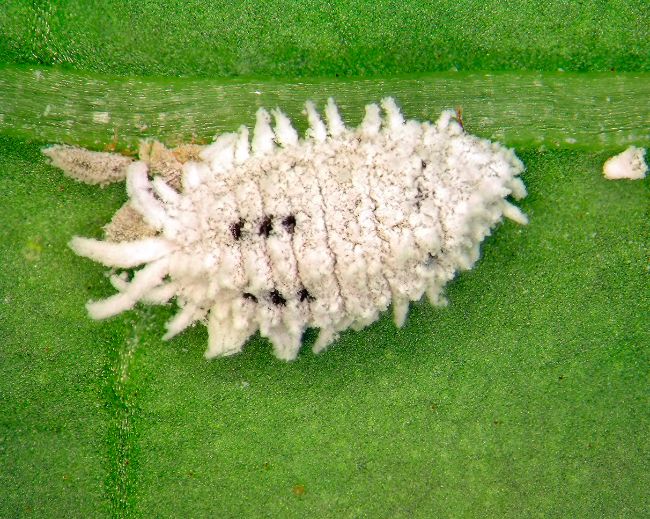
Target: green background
[(527, 396)]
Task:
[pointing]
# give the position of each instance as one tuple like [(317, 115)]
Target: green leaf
[(523, 109)]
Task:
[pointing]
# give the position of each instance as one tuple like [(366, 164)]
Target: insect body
[(279, 233)]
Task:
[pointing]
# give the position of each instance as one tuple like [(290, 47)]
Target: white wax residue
[(629, 164)]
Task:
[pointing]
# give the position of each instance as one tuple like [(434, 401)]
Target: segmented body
[(281, 233)]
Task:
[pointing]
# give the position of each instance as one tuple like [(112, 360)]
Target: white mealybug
[(279, 234)]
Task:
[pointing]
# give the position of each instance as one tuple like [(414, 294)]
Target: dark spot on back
[(304, 295), (430, 261), (249, 296), (236, 229), (424, 164), (418, 198), (266, 226), (289, 223), (277, 299)]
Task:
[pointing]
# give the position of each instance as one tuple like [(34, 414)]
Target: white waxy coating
[(322, 232), (629, 164)]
